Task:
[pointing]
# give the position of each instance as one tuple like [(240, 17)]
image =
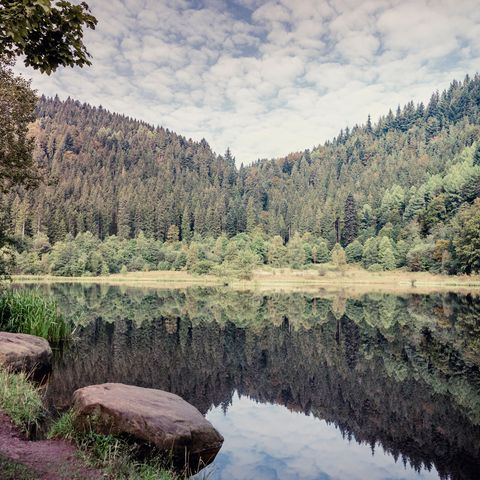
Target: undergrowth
[(20, 400), (114, 455)]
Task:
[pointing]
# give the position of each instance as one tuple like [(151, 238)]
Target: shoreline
[(354, 279)]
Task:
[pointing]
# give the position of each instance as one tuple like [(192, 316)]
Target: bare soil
[(39, 460)]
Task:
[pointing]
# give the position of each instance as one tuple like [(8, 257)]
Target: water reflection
[(395, 375), (271, 442)]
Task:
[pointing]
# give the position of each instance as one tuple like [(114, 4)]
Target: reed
[(25, 311)]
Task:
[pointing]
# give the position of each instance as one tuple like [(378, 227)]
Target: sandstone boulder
[(19, 351), (155, 417)]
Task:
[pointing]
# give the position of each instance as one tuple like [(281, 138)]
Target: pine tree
[(276, 252), (354, 252), (173, 233), (251, 214), (186, 225), (368, 127), (350, 229), (386, 254), (296, 252), (476, 155), (370, 252), (338, 256)]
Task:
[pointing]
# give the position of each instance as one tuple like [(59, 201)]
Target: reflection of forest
[(402, 371)]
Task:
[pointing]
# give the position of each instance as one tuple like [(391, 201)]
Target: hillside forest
[(120, 195)]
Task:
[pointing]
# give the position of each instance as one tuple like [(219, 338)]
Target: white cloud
[(263, 441), (267, 78)]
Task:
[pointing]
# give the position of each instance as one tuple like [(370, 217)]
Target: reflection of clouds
[(269, 77), (269, 442)]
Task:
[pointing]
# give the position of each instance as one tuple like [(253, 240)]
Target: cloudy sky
[(268, 77)]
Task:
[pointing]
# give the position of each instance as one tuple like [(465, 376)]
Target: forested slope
[(397, 191)]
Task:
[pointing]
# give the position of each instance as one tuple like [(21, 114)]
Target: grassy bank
[(353, 278), (20, 400), (33, 313), (115, 456)]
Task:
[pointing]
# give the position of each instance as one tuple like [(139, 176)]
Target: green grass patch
[(20, 400), (115, 456), (11, 470), (25, 311)]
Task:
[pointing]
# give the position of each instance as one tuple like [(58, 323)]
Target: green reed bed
[(25, 311)]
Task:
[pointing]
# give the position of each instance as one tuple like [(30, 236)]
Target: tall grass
[(114, 455), (20, 400), (25, 311)]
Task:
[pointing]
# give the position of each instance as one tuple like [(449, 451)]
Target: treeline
[(411, 177)]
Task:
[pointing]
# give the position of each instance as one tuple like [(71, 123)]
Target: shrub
[(202, 267), (30, 312), (376, 267)]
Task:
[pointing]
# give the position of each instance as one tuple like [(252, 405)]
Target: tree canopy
[(48, 33)]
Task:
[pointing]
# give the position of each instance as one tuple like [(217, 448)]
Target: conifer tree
[(186, 225), (386, 254), (350, 229)]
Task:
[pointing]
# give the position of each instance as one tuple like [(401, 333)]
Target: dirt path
[(44, 459)]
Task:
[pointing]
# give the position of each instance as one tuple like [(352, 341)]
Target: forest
[(120, 195)]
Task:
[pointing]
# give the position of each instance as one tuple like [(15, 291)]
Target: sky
[(266, 78)]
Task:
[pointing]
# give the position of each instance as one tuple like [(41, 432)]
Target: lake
[(302, 386)]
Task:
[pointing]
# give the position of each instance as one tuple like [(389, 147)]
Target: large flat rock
[(19, 351), (152, 416)]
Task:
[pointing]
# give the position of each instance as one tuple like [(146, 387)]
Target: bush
[(202, 267), (163, 265), (376, 267), (30, 312)]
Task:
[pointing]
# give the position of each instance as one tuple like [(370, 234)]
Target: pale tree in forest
[(276, 252), (338, 256), (173, 234), (386, 254), (296, 251)]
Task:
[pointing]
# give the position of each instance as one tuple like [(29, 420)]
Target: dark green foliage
[(17, 111), (467, 238), (350, 228), (354, 252), (48, 34), (476, 156)]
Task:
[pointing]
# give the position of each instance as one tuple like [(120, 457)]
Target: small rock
[(22, 352), (150, 416)]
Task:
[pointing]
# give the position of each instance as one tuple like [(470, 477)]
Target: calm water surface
[(301, 386)]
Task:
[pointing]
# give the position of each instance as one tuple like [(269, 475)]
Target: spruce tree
[(350, 229), (186, 225), (386, 254), (476, 156)]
